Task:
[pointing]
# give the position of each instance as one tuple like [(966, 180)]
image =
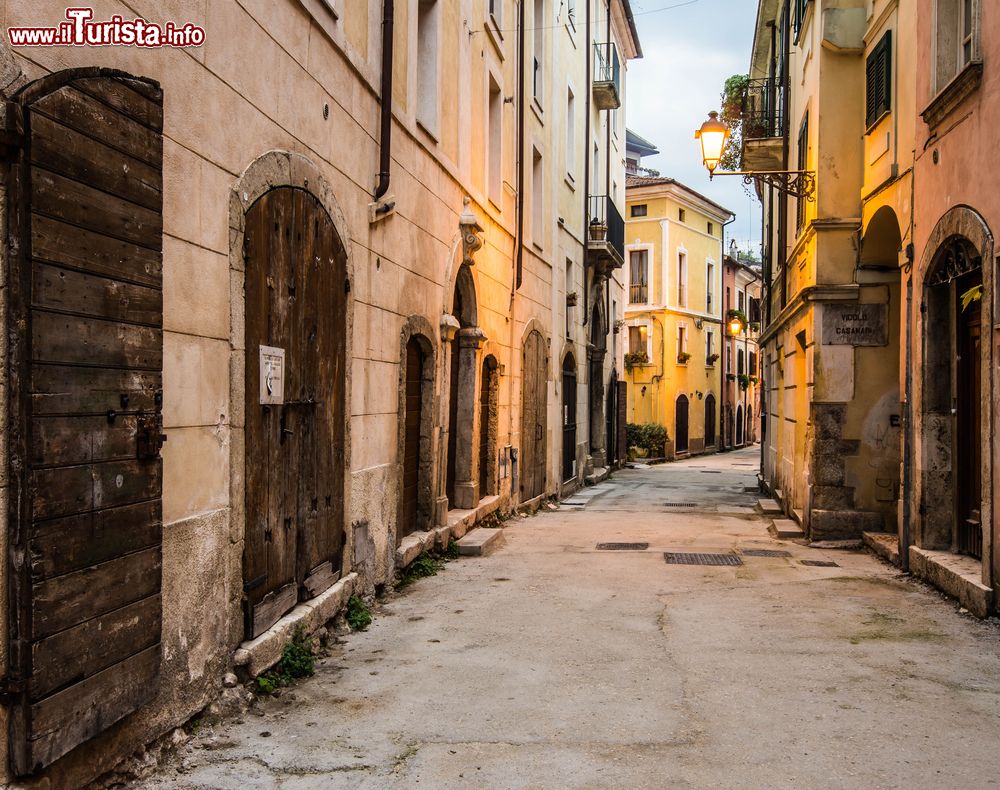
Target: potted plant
[(598, 230), (730, 377), (744, 381), (634, 358), (683, 357), (711, 359), (754, 326)]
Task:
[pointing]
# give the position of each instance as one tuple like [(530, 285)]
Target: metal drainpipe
[(723, 340), (904, 538), (385, 111), (586, 159)]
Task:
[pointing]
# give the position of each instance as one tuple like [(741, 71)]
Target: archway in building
[(710, 417), (612, 412), (750, 430), (596, 352), (569, 418), (534, 417), (416, 418), (489, 406), (739, 426), (953, 396), (681, 425), (461, 481)]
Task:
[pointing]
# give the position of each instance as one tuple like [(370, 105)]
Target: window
[(537, 199), (800, 14), (682, 340), (682, 262), (595, 174), (571, 13), (741, 298), (681, 214), (495, 163), (710, 283), (711, 229), (570, 134), (496, 11), (539, 53), (639, 210), (638, 283), (637, 336), (754, 313), (729, 357), (752, 367), (956, 39), (739, 362), (427, 64), (803, 162), (878, 80), (570, 296), (709, 347)]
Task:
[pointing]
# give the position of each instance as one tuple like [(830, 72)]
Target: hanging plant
[(711, 359), (683, 357), (737, 313), (744, 381), (636, 358)]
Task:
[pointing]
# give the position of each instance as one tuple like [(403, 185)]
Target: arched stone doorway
[(596, 353), (489, 407), (462, 478), (534, 417), (416, 424), (750, 432), (739, 426), (710, 417), (953, 397), (681, 425), (569, 418), (611, 433)]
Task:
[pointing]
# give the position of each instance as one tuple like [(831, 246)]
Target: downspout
[(904, 538), (385, 111), (519, 243), (586, 160)]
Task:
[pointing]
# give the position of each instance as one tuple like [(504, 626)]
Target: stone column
[(449, 328), (467, 343)]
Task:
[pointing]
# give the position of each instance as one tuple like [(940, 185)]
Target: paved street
[(550, 664)]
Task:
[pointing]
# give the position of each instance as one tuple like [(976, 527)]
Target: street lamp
[(713, 135), (735, 325)]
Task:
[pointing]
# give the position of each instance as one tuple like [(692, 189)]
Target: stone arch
[(465, 306), (882, 241), (272, 170), (954, 458), (416, 329), (567, 382)]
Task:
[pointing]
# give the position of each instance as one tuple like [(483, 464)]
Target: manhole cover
[(765, 553), (820, 563), (622, 546), (679, 504), (688, 558)]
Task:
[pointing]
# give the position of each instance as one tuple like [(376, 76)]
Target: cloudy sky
[(688, 52)]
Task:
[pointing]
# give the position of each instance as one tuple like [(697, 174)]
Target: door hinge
[(11, 129), (11, 689)]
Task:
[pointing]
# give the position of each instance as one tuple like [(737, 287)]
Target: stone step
[(480, 541), (769, 507), (798, 516), (884, 544), (785, 529)]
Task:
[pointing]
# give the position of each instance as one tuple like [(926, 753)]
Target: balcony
[(607, 77), (606, 234), (638, 293), (763, 126)]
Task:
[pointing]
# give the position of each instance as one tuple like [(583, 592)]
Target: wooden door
[(451, 469), (411, 439), (485, 445), (86, 319), (611, 421), (681, 420), (295, 300), (569, 418), (969, 414), (710, 420), (534, 420)]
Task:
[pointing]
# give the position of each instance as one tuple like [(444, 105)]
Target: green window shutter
[(878, 80)]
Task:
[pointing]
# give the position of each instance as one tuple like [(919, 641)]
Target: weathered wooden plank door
[(296, 287), (681, 422), (411, 439), (534, 391), (86, 307), (569, 418)]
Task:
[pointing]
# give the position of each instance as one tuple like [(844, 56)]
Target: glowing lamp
[(713, 135)]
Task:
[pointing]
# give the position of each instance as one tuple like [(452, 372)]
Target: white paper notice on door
[(272, 375)]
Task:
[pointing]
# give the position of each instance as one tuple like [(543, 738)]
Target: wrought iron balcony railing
[(607, 77), (763, 113), (602, 211)]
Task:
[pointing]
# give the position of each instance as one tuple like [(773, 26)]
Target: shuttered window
[(799, 15), (878, 80), (803, 160)]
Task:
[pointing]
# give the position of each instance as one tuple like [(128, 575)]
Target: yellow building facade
[(674, 311)]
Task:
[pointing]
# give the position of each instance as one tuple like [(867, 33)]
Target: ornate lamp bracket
[(470, 229), (797, 183)]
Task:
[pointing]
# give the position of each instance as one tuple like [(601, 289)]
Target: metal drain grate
[(622, 546), (686, 558), (820, 563), (710, 471), (765, 553), (680, 504)]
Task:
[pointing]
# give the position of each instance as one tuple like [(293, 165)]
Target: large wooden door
[(411, 439), (295, 300), (969, 477), (534, 420), (85, 322), (710, 418), (681, 422), (569, 418)]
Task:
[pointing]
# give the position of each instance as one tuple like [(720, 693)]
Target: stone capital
[(470, 337), (449, 327), (470, 229)]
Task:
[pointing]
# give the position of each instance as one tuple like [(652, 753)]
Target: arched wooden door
[(681, 420), (710, 418), (739, 426), (569, 418), (296, 287), (412, 414), (488, 407), (611, 418), (85, 320), (534, 420)]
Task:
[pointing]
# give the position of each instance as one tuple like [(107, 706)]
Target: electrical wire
[(560, 24)]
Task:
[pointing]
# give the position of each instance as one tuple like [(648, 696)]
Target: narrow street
[(552, 664)]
